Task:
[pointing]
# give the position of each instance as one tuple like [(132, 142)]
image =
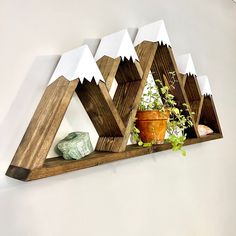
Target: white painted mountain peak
[(153, 32), (116, 45), (77, 64), (185, 64), (204, 85)]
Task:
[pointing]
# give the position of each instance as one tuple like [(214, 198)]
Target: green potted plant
[(158, 116)]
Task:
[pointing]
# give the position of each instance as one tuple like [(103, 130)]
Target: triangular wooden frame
[(30, 161), (32, 151)]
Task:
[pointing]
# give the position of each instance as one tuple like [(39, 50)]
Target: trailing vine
[(157, 96)]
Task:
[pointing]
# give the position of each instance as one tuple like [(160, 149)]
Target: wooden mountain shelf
[(194, 95), (113, 118), (57, 165)]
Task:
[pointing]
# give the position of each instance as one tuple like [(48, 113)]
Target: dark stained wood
[(131, 80), (100, 108), (44, 124), (108, 67), (146, 52), (128, 71), (57, 165), (113, 119), (111, 144), (192, 88), (163, 64), (19, 173), (199, 110), (124, 99), (195, 107), (209, 116), (183, 78), (193, 93)]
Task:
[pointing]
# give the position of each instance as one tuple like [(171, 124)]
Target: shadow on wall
[(25, 103), (75, 119), (15, 122)]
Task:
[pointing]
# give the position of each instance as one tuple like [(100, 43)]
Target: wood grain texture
[(183, 78), (113, 119), (128, 75), (128, 71), (108, 67), (57, 165), (163, 64), (146, 52), (192, 88), (195, 107), (209, 116), (111, 144), (44, 124), (193, 93), (199, 111), (128, 94), (129, 79), (100, 108), (126, 99)]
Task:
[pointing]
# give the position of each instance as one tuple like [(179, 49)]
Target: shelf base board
[(57, 165)]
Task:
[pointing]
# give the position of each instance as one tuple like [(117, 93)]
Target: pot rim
[(154, 115), (150, 111)]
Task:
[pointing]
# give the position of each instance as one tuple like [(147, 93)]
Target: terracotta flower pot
[(152, 125)]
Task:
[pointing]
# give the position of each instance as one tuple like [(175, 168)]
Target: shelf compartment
[(57, 165), (209, 116), (131, 82), (164, 63), (194, 95)]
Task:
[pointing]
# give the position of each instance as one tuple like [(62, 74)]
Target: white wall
[(161, 194)]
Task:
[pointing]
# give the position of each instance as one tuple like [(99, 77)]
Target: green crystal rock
[(74, 146)]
